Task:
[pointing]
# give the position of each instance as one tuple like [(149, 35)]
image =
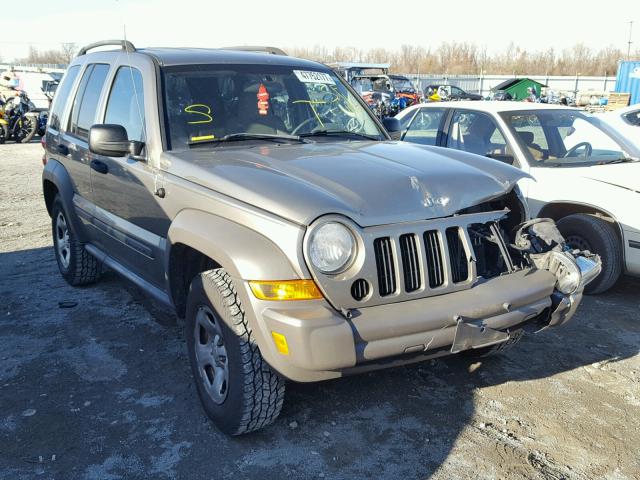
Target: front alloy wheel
[(211, 354)]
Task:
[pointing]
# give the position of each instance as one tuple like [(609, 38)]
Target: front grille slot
[(385, 266), (490, 261), (433, 250), (457, 256), (410, 262)]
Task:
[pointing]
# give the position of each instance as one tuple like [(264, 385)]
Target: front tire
[(588, 232), (239, 391), (77, 266)]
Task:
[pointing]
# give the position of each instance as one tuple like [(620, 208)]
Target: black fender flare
[(55, 173)]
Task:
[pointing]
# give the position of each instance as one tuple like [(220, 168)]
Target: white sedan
[(585, 175), (625, 121)]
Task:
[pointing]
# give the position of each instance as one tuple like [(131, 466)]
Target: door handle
[(99, 166), (62, 149)]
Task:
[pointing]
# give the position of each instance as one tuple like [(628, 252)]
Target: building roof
[(513, 81)]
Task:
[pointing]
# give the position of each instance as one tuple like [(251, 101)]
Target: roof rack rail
[(257, 49), (126, 45)]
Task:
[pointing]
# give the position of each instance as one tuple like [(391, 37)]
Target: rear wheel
[(25, 128), (239, 391), (76, 265), (4, 133), (588, 232)]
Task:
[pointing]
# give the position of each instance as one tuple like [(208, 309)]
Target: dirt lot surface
[(102, 390)]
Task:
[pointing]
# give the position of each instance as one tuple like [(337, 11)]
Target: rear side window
[(126, 103), (87, 97), (61, 96)]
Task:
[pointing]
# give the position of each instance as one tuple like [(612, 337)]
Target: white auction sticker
[(308, 76)]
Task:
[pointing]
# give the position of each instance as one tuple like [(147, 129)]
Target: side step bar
[(113, 264)]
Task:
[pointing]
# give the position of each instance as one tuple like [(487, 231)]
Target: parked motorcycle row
[(20, 120)]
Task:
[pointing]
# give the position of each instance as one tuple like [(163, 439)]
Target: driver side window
[(477, 133)]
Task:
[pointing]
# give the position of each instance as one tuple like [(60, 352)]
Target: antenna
[(629, 42)]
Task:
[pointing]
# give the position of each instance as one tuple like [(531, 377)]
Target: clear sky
[(490, 23)]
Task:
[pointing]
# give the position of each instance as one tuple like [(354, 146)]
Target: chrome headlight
[(332, 247)]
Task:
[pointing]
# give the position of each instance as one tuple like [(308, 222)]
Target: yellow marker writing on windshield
[(202, 137), (199, 109)]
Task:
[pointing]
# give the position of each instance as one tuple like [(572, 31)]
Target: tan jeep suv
[(258, 196)]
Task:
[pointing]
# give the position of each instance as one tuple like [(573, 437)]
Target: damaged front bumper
[(573, 271)]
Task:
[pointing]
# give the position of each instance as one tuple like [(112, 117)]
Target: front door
[(132, 226)]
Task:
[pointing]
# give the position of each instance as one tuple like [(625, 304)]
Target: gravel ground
[(102, 390)]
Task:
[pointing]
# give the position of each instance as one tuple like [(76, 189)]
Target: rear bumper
[(323, 344)]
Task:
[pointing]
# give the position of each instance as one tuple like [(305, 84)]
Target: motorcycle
[(21, 119)]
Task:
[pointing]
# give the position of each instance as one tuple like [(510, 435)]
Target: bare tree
[(68, 51), (469, 58)]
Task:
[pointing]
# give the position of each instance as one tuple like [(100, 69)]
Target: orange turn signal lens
[(285, 290), (281, 343)]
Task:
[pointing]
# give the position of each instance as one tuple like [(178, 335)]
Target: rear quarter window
[(61, 97)]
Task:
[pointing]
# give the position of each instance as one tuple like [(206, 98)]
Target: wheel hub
[(211, 354), (63, 243), (577, 242)]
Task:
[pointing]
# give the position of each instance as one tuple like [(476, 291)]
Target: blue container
[(628, 80)]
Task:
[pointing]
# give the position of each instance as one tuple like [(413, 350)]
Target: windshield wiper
[(234, 137), (339, 133)]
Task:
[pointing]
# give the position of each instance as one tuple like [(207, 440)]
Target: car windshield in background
[(206, 104), (632, 118), (403, 85), (563, 138)]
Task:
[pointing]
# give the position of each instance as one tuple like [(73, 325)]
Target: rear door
[(73, 142), (130, 224)]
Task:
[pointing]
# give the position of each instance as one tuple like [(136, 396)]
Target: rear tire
[(25, 129), (589, 232), (4, 133), (239, 391), (76, 265)]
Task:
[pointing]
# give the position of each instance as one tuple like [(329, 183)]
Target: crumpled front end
[(542, 245), (417, 290)]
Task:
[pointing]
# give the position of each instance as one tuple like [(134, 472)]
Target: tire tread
[(264, 388)]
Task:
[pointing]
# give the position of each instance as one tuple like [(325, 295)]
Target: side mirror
[(111, 140), (393, 126)]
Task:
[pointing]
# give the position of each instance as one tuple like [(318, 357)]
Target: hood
[(624, 175), (372, 183)]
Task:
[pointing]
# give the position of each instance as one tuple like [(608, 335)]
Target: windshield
[(563, 138), (403, 85), (205, 103)]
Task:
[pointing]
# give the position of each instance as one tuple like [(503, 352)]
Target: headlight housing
[(566, 271), (332, 247)]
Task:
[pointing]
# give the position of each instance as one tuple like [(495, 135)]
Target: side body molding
[(244, 253)]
